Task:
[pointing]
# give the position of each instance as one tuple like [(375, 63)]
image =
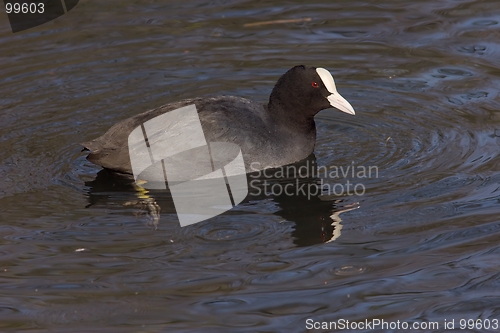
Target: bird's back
[(223, 119)]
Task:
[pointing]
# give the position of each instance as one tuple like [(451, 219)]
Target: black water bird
[(278, 133)]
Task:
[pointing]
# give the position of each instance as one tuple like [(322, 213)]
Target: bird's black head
[(304, 91)]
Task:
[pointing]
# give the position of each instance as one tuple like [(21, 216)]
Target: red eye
[(315, 84)]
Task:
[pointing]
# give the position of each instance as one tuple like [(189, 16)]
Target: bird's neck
[(290, 114)]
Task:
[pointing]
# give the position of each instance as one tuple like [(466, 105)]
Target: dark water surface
[(421, 244)]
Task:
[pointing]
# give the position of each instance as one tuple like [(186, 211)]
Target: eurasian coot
[(269, 135)]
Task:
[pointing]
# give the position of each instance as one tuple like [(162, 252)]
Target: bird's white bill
[(340, 103), (335, 99)]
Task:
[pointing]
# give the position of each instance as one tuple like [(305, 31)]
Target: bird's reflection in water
[(316, 215)]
